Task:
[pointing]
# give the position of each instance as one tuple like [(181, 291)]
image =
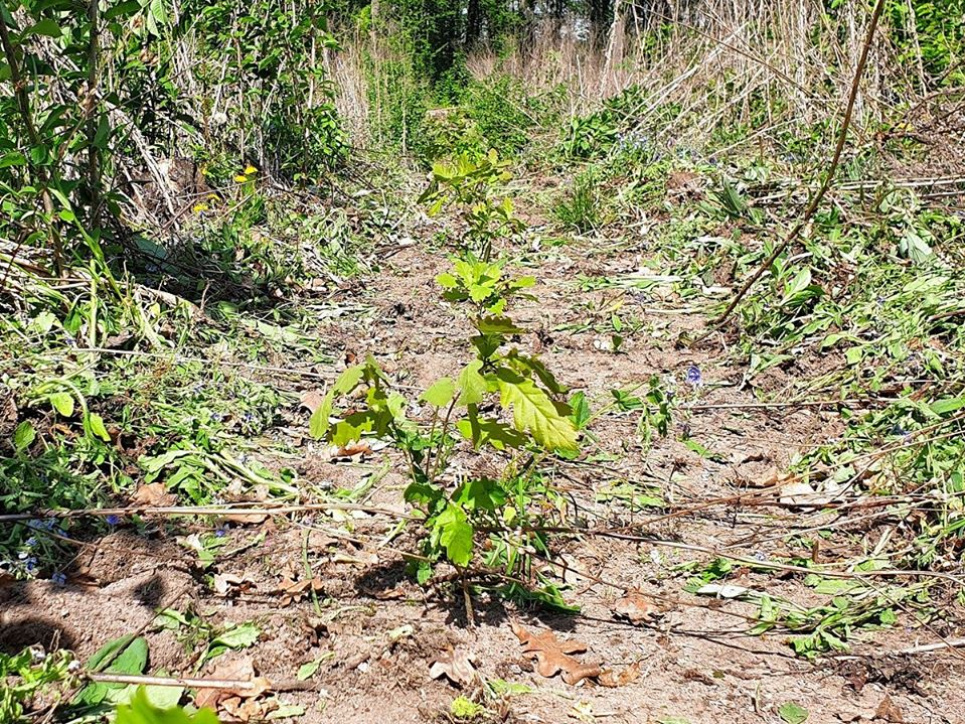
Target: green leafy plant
[(580, 208), (142, 711), (534, 417), (468, 184), (591, 136), (209, 641), (27, 674)]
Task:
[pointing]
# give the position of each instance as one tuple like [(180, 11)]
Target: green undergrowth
[(169, 376)]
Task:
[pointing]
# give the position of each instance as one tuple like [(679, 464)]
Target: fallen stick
[(209, 510), (137, 680)]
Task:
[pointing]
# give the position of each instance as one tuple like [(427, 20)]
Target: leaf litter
[(554, 657), (457, 665)]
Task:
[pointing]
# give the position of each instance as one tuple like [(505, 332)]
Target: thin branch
[(208, 510), (232, 684), (829, 176)]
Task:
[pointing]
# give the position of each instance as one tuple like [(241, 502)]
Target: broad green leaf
[(914, 247), (131, 661), (46, 26), (308, 670), (348, 380), (103, 656), (125, 8), (479, 292), (455, 535), (13, 158), (239, 637), (440, 394), (447, 281), (157, 16), (793, 713), (96, 424), (318, 423), (480, 495), (24, 436), (943, 407), (533, 364), (142, 711), (482, 431), (471, 384), (163, 697), (286, 711), (535, 412), (353, 427), (498, 325), (62, 402), (581, 410)]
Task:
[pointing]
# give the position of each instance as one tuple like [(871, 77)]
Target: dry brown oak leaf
[(233, 668), (634, 607), (553, 656)]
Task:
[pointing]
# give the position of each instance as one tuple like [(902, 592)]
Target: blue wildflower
[(248, 417), (693, 376), (30, 564), (59, 578), (30, 542), (220, 532), (113, 520), (217, 416)]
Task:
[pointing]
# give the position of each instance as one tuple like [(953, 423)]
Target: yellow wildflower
[(250, 170), (240, 179), (200, 208)]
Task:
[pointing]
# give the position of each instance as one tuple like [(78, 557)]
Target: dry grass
[(733, 59), (721, 61)]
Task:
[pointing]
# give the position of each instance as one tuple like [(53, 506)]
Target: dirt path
[(375, 633)]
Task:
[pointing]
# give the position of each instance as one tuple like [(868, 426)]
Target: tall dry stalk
[(717, 58)]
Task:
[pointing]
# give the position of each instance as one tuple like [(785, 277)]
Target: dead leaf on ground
[(634, 607), (552, 655), (153, 495), (349, 451), (228, 584), (234, 669), (888, 711), (312, 399), (612, 679), (456, 665), (292, 590), (242, 710)]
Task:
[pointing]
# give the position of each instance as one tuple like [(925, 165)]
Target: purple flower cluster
[(693, 376)]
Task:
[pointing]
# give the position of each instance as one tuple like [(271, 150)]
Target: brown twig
[(233, 684), (209, 510), (829, 176)]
